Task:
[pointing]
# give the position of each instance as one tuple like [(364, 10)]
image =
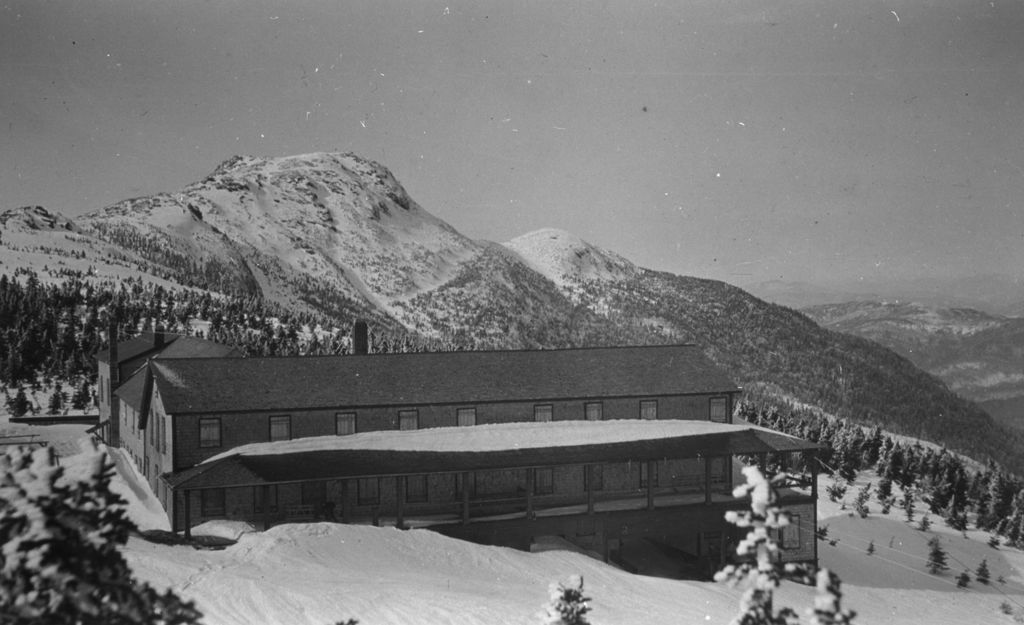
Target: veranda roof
[(481, 447)]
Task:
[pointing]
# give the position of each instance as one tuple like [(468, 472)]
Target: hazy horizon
[(746, 141)]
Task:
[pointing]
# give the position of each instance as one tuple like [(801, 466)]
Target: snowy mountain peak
[(331, 230), (568, 260)]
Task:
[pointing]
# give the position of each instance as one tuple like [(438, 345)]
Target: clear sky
[(743, 140)]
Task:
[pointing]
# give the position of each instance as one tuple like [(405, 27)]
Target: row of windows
[(280, 426), (280, 429)]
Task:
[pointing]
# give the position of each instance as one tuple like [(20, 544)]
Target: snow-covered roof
[(490, 437), (480, 447)]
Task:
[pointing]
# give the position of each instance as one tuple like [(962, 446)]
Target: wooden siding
[(241, 429)]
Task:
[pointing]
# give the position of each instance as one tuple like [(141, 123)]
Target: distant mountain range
[(337, 235), (995, 294), (980, 356)]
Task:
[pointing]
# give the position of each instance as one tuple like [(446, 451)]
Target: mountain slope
[(782, 351)]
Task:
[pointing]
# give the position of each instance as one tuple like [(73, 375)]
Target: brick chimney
[(159, 336), (360, 338)]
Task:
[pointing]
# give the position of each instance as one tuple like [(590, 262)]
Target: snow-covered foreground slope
[(321, 573)]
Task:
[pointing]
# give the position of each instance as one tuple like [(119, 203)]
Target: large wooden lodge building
[(604, 448)]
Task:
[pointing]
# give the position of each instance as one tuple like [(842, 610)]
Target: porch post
[(650, 484), (266, 506), (589, 469), (529, 492), (188, 514), (345, 506), (465, 497), (173, 511), (707, 480), (400, 487)]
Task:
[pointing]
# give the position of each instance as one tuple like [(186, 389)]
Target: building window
[(258, 502), (408, 420), (212, 502), (542, 412), (790, 538), (593, 477), (368, 491), (593, 410), (345, 423), (281, 428), (416, 488), (646, 467), (209, 432), (465, 416), (543, 481), (649, 409), (718, 410)]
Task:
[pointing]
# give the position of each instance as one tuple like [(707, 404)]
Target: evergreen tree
[(993, 541), (82, 397), (907, 503), (835, 490), (956, 519), (19, 405), (982, 574), (763, 573), (61, 536), (871, 548), (884, 490), (887, 504), (936, 556), (56, 405), (860, 503), (828, 609), (1000, 498), (924, 524), (568, 605), (963, 579)]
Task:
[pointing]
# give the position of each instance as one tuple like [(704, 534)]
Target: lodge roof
[(137, 346), (214, 385), (131, 392), (172, 346), (473, 448)]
